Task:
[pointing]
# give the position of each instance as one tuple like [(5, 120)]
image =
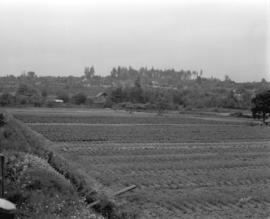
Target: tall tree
[(31, 74), (89, 72), (114, 73), (261, 104)]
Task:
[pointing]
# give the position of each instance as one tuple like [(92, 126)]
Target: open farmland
[(184, 166)]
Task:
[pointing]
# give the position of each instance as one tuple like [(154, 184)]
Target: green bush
[(7, 99), (39, 191), (78, 98), (63, 96)]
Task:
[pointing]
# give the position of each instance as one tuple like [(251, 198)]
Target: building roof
[(100, 94)]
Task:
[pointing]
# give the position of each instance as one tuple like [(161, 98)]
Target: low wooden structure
[(115, 194)]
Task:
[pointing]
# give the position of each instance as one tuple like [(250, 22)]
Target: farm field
[(94, 116), (184, 166), (146, 133)]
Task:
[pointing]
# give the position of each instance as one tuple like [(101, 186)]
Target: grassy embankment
[(44, 185)]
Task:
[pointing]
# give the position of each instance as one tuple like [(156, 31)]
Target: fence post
[(2, 177), (7, 208)]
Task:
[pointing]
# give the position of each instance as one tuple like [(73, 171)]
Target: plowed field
[(183, 166)]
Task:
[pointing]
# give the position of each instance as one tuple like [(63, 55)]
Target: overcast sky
[(61, 37)]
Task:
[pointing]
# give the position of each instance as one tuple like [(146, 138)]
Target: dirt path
[(126, 124)]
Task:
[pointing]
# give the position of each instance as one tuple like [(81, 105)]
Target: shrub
[(50, 103), (35, 100), (39, 191), (108, 103), (89, 101), (261, 105), (22, 99), (26, 90), (2, 119), (6, 99), (78, 98), (63, 96)]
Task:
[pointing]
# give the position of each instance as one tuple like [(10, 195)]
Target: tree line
[(127, 87)]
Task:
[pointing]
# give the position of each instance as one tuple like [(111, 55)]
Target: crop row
[(128, 119), (152, 133), (227, 188), (199, 192), (186, 179), (235, 202), (124, 151), (181, 178)]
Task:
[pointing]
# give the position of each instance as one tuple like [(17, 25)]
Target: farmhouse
[(100, 99)]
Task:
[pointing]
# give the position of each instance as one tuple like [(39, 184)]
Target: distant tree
[(227, 78), (261, 105), (89, 101), (86, 72), (162, 104), (78, 98), (26, 94), (199, 79), (50, 103), (31, 74), (136, 92), (2, 120), (201, 73), (26, 90), (230, 101), (36, 100), (177, 98), (96, 80), (118, 95), (6, 99), (195, 74), (63, 96), (89, 72), (108, 103), (44, 93), (263, 80), (21, 99), (188, 75), (114, 73), (137, 82)]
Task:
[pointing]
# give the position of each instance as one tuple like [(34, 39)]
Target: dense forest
[(127, 87)]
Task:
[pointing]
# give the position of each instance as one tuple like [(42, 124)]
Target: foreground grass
[(36, 188), (41, 192)]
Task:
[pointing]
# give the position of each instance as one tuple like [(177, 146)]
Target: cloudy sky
[(61, 37)]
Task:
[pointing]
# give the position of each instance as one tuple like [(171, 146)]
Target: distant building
[(58, 101), (155, 84), (100, 98), (237, 95)]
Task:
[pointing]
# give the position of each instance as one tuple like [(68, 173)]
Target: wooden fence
[(2, 175)]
